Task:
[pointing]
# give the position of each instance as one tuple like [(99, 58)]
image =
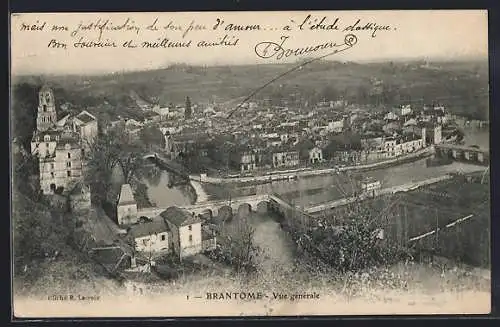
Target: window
[(190, 238), (69, 155), (68, 164), (163, 237), (51, 166), (69, 173), (52, 175), (190, 227)]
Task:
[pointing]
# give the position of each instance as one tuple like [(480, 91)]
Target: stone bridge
[(250, 203), (274, 203), (463, 153)]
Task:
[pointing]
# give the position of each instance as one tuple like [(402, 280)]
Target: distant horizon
[(399, 60)]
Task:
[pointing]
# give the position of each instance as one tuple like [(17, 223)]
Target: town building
[(181, 144), (403, 110), (336, 126), (162, 111), (186, 231), (151, 237), (433, 134), (285, 159), (59, 160), (245, 160), (46, 114), (315, 155), (59, 145), (85, 124), (370, 185)]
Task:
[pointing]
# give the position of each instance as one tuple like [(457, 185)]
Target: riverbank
[(200, 194), (423, 153)]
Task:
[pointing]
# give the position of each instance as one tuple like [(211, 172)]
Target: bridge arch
[(263, 207), (244, 209), (206, 214), (225, 214)]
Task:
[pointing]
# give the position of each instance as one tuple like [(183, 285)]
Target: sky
[(427, 34)]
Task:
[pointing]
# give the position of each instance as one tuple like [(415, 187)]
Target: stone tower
[(46, 115)]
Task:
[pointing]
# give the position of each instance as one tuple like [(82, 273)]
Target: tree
[(352, 244), (25, 175), (152, 138), (38, 231), (24, 112), (117, 149), (304, 146), (237, 246), (188, 110)]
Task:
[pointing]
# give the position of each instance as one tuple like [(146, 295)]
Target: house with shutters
[(186, 231), (59, 145)]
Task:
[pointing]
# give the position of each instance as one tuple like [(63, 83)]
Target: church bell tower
[(47, 115)]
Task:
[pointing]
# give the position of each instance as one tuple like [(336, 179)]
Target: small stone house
[(151, 237), (126, 208), (186, 231)]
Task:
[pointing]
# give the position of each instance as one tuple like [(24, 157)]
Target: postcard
[(195, 164)]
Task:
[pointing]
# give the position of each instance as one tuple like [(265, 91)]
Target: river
[(313, 190), (477, 136), (163, 196)]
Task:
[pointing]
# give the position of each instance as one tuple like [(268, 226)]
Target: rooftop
[(85, 117), (179, 217), (157, 225), (38, 136), (71, 141), (126, 195)]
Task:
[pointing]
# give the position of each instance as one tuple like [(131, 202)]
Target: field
[(423, 210)]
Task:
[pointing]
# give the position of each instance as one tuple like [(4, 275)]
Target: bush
[(235, 246), (352, 246)]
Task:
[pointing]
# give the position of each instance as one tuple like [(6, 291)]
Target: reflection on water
[(163, 196), (313, 190), (159, 192), (309, 191), (476, 136)]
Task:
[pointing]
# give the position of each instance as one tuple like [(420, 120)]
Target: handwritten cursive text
[(277, 50)]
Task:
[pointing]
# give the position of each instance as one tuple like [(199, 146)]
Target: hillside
[(461, 86)]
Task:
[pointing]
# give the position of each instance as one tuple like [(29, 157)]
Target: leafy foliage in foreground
[(351, 246), (236, 246)]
